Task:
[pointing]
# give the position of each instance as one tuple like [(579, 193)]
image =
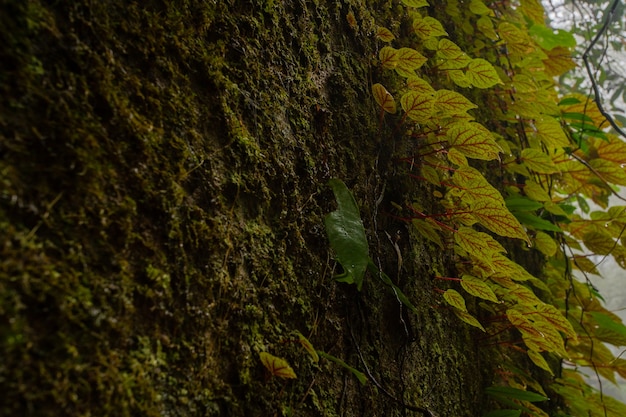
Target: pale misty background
[(584, 18)]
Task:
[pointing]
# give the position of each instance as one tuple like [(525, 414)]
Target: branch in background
[(594, 82)]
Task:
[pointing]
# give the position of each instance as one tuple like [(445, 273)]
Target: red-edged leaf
[(448, 50), (384, 98), (277, 366), (418, 107), (473, 140), (477, 244)]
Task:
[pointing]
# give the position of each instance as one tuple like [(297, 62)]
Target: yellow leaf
[(609, 171), (456, 63), (415, 3), (384, 98), (418, 107), (469, 319), (478, 288), (524, 295), (613, 150), (482, 74), (419, 85), (536, 192), (429, 230), (551, 133), (554, 317), (599, 242), (428, 27), (388, 57), (447, 49), (533, 9), (479, 8), (473, 140), (308, 347), (499, 220), (559, 61), (457, 158), (459, 78), (384, 34), (538, 161), (477, 244), (545, 244), (277, 366), (455, 299), (450, 103), (539, 361), (409, 59)]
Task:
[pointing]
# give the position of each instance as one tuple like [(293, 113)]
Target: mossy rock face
[(163, 169)]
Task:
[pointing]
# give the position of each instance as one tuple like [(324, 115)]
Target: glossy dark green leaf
[(536, 222), (347, 236), (517, 203)]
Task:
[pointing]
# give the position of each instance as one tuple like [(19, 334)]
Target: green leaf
[(499, 220), (548, 39), (308, 347), (536, 222), (468, 318), (608, 330), (538, 161), (358, 374), (518, 203), (409, 59), (395, 289), (516, 394), (347, 235), (569, 101), (451, 103), (539, 360)]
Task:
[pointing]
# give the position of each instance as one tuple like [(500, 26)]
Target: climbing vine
[(548, 156)]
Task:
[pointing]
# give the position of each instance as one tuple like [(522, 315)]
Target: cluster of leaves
[(553, 155)]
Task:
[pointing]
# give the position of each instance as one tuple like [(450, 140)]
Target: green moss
[(163, 190)]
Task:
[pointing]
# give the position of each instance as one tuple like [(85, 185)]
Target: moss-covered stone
[(163, 169)]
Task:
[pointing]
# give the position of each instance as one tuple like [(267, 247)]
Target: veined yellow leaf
[(552, 315), (524, 84), (384, 98), (545, 244), (456, 63), (477, 244), (429, 230), (308, 347), (409, 59), (519, 320), (533, 9), (418, 107), (524, 295), (613, 150), (415, 3), (469, 319), (384, 34), (478, 288), (535, 191), (482, 74), (277, 366), (473, 140), (457, 158), (447, 49), (419, 85), (539, 361), (388, 57), (599, 242), (499, 220), (609, 171), (538, 161), (479, 8), (459, 78), (450, 103), (455, 299), (559, 61), (551, 133), (430, 174), (428, 27), (485, 25), (585, 264)]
